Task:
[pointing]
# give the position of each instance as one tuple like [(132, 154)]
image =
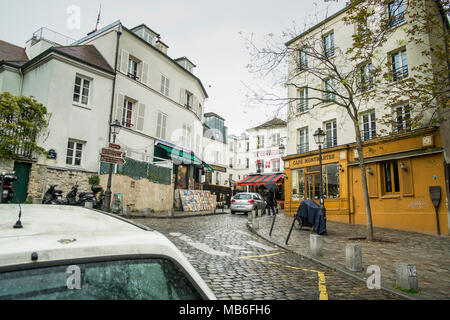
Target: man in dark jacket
[(270, 203)]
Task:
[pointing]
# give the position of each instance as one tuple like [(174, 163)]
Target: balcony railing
[(52, 36), (303, 148), (401, 72)]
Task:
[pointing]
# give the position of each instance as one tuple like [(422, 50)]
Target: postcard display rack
[(197, 200)]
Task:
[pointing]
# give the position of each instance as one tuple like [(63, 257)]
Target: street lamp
[(115, 129), (319, 138)]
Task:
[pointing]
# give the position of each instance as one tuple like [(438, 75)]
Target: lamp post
[(319, 138), (115, 128)]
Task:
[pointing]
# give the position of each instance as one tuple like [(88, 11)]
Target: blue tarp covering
[(310, 211)]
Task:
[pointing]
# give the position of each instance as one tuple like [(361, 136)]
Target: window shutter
[(159, 125), (163, 127), (195, 104), (119, 107), (125, 56), (144, 76), (182, 97), (140, 117)]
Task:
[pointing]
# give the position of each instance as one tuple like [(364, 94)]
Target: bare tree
[(357, 75)]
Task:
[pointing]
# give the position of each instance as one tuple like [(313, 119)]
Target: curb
[(175, 217), (332, 267)]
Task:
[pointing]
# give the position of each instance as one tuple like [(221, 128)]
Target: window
[(329, 87), (403, 118), (74, 153), (302, 99), (248, 146), (368, 126), (331, 134), (399, 65), (189, 99), (275, 139), (396, 10), (161, 125), (390, 176), (260, 166), (275, 165), (81, 90), (127, 115), (328, 45), (132, 279), (260, 142), (149, 38), (247, 164), (366, 77), (200, 111), (303, 140), (298, 184), (186, 138), (132, 68), (231, 162), (302, 59), (231, 146), (165, 85), (331, 181)]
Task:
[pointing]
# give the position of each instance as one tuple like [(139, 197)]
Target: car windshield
[(243, 196), (140, 279)]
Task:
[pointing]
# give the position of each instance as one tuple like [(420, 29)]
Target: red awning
[(260, 179)]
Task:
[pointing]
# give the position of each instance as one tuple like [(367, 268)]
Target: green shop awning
[(178, 156)]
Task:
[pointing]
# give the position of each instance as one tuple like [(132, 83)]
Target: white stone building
[(238, 156)]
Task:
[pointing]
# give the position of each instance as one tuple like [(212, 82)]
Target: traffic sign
[(108, 159), (113, 153), (114, 146)]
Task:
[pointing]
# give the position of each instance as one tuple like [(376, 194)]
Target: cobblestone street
[(239, 265)]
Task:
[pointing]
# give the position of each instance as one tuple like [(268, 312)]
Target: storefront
[(399, 175), (255, 183)]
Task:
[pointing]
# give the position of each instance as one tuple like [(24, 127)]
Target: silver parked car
[(247, 202)]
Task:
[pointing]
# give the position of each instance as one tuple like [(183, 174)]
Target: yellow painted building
[(399, 173)]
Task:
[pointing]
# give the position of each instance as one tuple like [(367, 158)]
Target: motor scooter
[(53, 196), (6, 187)]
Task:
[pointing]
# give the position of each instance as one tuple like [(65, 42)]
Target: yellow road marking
[(323, 294)]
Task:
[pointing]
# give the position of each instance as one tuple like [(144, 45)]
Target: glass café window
[(298, 184), (391, 179), (331, 181)]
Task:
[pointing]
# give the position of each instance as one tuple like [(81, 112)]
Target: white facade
[(154, 96), (238, 156), (215, 154), (264, 152), (76, 132)]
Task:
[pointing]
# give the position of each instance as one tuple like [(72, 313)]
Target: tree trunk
[(369, 226)]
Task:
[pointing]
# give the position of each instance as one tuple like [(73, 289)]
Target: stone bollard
[(255, 220), (170, 212), (125, 210), (353, 257), (88, 204), (406, 276), (37, 201), (316, 244), (146, 212)]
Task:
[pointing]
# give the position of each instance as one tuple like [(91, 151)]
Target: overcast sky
[(205, 31)]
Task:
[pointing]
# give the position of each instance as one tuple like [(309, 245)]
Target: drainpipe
[(119, 33)]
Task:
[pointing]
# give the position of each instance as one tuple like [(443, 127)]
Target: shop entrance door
[(313, 187)]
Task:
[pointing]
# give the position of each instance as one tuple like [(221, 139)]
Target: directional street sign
[(114, 146), (108, 159), (113, 153)]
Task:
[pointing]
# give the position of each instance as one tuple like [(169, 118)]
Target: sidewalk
[(429, 253), (176, 214)]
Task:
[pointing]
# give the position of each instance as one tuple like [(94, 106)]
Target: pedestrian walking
[(270, 203)]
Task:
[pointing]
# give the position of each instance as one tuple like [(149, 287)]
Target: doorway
[(22, 172), (313, 187)]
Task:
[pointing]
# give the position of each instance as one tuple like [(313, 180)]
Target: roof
[(11, 52), (145, 26), (69, 232), (212, 114), (185, 58), (87, 54), (317, 25), (276, 122)]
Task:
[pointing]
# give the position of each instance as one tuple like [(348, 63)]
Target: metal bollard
[(316, 244), (353, 257), (406, 276)]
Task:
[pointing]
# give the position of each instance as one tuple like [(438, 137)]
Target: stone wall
[(6, 165), (140, 194), (64, 178)]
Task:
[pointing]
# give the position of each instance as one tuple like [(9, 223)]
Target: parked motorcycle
[(53, 196), (91, 196), (6, 187)]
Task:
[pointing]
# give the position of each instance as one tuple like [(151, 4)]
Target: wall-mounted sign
[(51, 154)]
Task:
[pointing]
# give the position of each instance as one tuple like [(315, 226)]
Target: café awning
[(260, 179)]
